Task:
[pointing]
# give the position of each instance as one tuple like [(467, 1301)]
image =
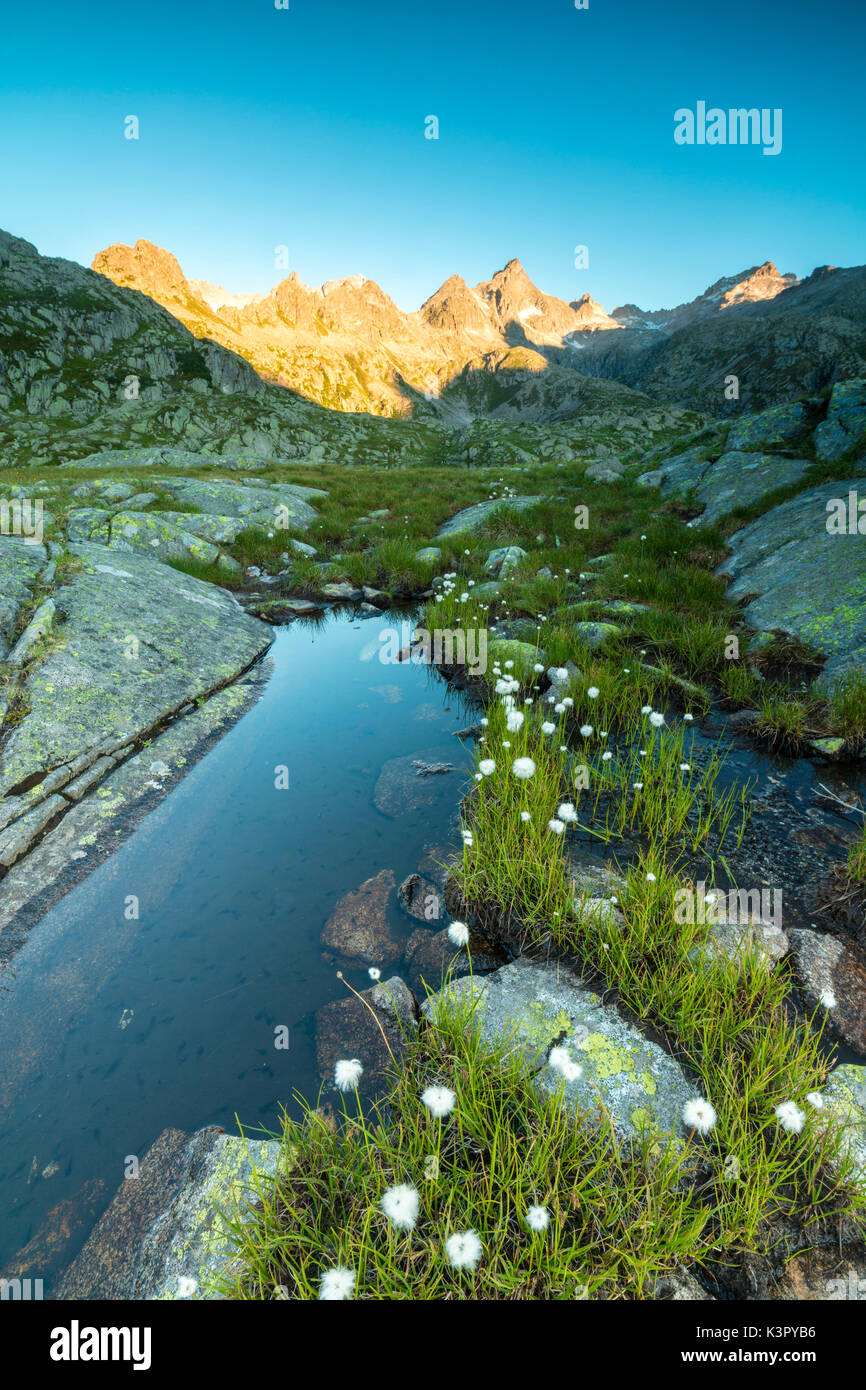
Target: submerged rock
[(359, 929)]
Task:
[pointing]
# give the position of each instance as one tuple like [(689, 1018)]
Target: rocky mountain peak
[(144, 266)]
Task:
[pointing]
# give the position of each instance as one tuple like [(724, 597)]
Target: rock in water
[(358, 928)]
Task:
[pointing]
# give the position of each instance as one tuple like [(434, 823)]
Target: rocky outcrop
[(166, 1234), (638, 1086), (809, 580), (358, 928)]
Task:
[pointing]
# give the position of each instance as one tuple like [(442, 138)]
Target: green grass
[(620, 1217)]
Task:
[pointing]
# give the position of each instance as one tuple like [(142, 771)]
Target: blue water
[(111, 1030)]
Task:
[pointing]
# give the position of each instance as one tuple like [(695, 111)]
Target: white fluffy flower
[(487, 766), (650, 878), (593, 692), (606, 757), (688, 718), (538, 1218), (337, 1284), (646, 709), (637, 786), (699, 1114), (790, 1116), (556, 826), (525, 816), (523, 768), (458, 934), (514, 721), (656, 719), (566, 812), (463, 1249), (538, 668), (400, 1205), (586, 730), (347, 1074), (374, 972), (816, 1100), (561, 1061), (828, 999), (548, 728), (439, 1101)]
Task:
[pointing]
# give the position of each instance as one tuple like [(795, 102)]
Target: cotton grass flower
[(337, 1284), (548, 728), (656, 719), (646, 709), (816, 1100), (458, 934), (524, 768), (586, 730), (790, 1116), (487, 767), (439, 1100), (374, 972), (560, 1060), (828, 999), (401, 1205), (637, 786), (699, 1115), (688, 718), (525, 816), (347, 1074), (464, 1249), (606, 757), (566, 812), (650, 878), (538, 1218), (514, 721), (593, 692), (556, 826)]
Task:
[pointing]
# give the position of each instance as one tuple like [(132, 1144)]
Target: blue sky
[(305, 127)]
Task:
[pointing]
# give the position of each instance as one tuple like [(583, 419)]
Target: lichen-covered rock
[(140, 640), (166, 1233), (810, 582), (738, 479), (845, 426), (641, 1088), (594, 636), (504, 561), (474, 517), (524, 655), (21, 566), (775, 428)]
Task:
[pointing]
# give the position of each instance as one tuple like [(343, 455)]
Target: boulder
[(824, 962), (641, 1088), (346, 1028), (808, 581), (358, 928), (166, 1234), (844, 429), (775, 428), (504, 561), (475, 517)]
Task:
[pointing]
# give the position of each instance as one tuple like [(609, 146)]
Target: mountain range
[(505, 348)]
